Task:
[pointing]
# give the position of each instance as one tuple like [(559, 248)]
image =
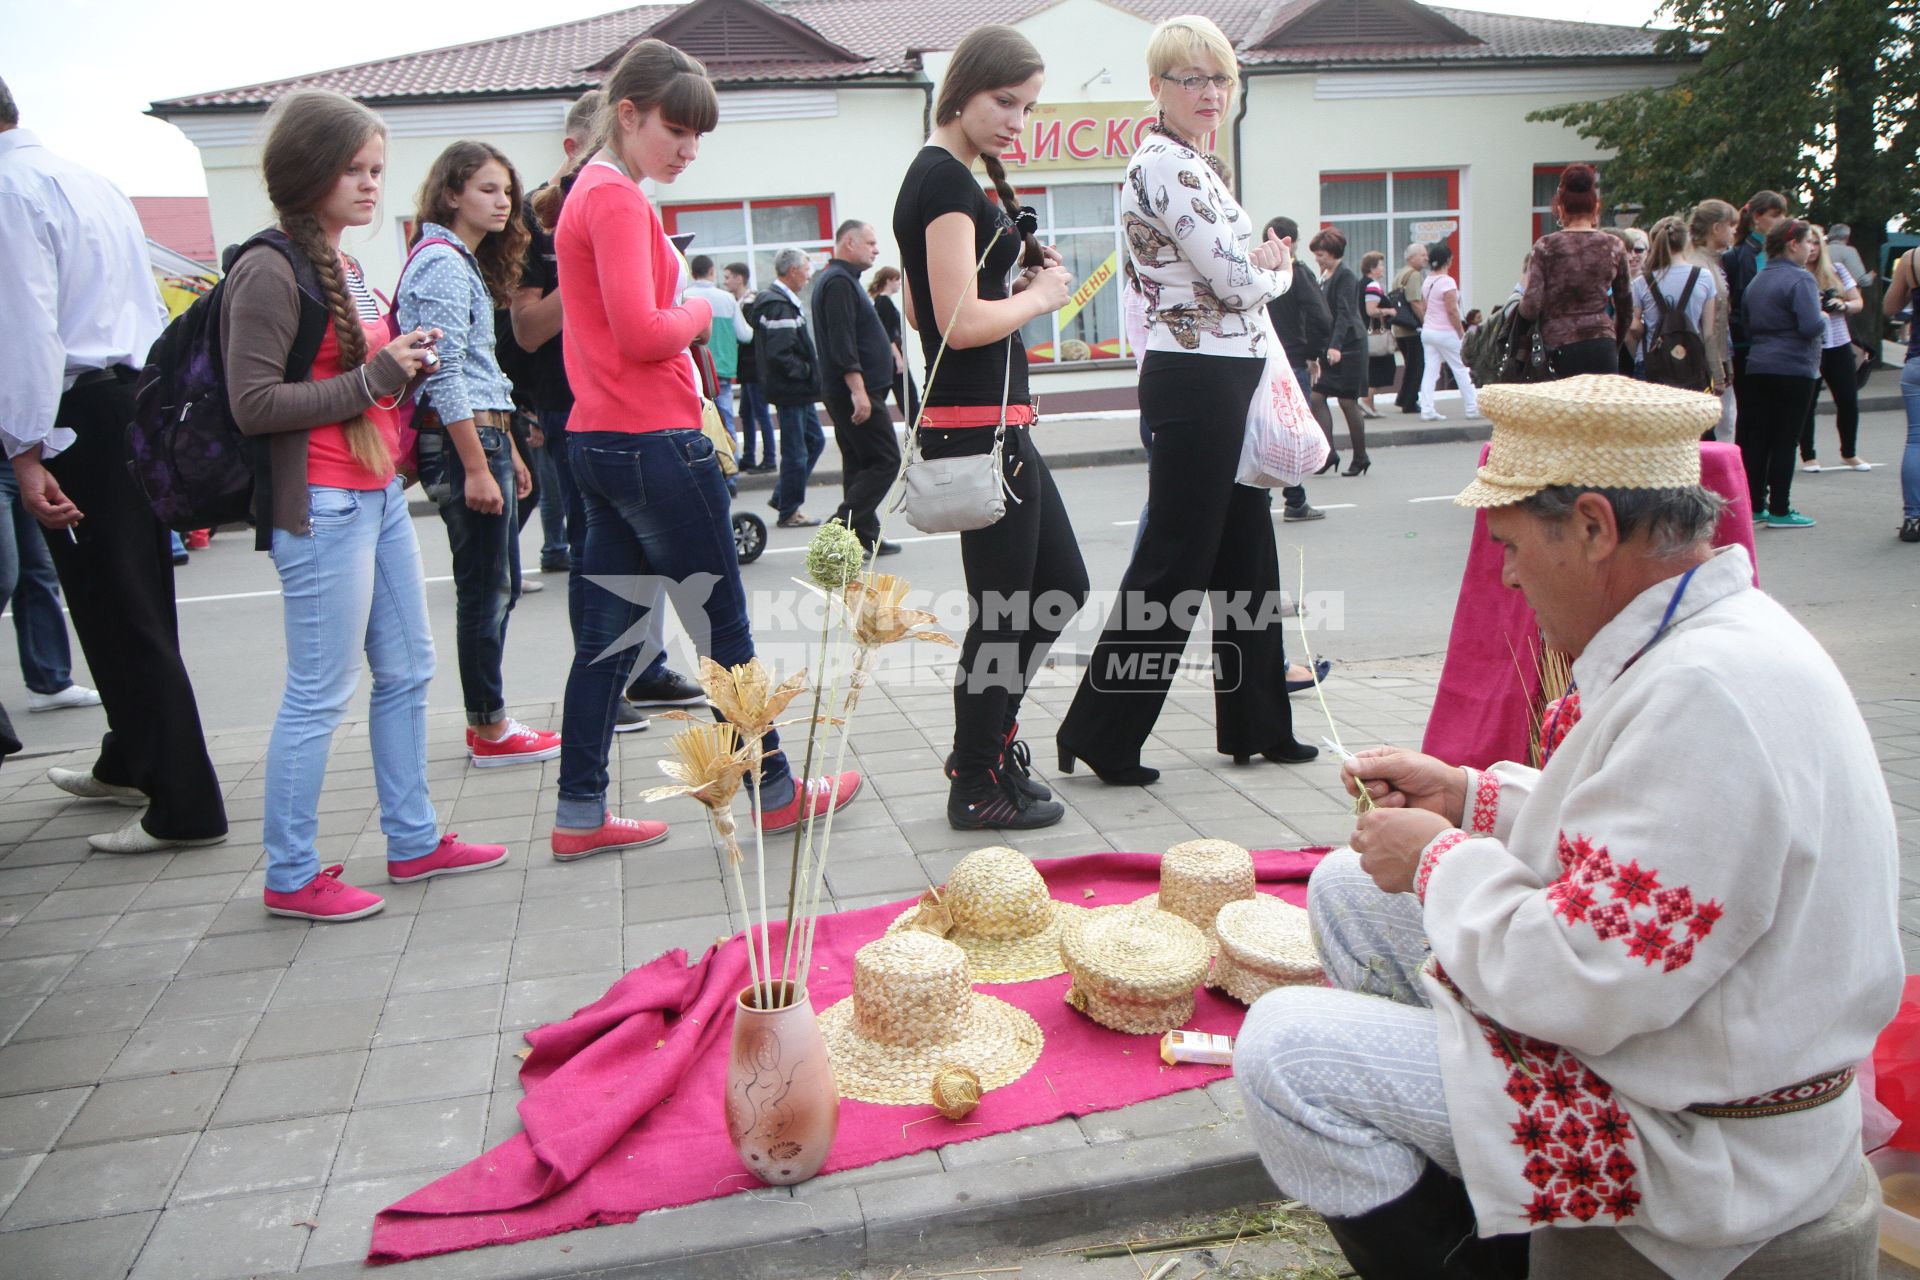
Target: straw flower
[(709, 763), (745, 696), (834, 556), (879, 618)]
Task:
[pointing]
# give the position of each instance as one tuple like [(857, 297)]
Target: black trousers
[(869, 460), (1205, 535), (1843, 382), (117, 572), (1415, 358), (1025, 581), (1771, 418), (1589, 355)]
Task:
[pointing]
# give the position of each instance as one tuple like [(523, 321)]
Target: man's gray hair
[(847, 228), (9, 110), (787, 259), (582, 115), (1674, 521), (1412, 249), (1840, 231)]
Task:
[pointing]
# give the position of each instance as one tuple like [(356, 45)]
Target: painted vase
[(782, 1104)]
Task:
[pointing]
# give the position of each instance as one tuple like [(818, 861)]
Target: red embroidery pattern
[(1640, 912), (1486, 804), (1431, 858), (1557, 721), (1574, 1133)]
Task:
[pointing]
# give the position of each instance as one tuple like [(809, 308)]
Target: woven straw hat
[(914, 1010), (996, 909), (1134, 968), (1598, 430), (1264, 943), (1198, 877)]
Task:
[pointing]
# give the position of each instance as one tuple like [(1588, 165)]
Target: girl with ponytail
[(975, 274), (314, 369)]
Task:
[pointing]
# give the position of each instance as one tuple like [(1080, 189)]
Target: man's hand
[(41, 492), (1399, 779), (1389, 842), (862, 407)]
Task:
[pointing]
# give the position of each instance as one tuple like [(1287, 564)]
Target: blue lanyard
[(1666, 620)]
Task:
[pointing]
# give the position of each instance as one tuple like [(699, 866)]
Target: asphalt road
[(1390, 554)]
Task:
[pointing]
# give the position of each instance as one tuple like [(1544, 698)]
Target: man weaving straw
[(1625, 990)]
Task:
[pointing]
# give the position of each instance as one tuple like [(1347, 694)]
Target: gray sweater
[(1784, 321)]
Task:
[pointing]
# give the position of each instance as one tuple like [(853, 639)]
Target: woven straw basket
[(1264, 943), (995, 907), (1134, 969), (1198, 877), (913, 1011)]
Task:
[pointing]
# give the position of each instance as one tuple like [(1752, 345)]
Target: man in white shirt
[(80, 309)]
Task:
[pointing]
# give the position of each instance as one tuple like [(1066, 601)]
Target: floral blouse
[(1187, 241)]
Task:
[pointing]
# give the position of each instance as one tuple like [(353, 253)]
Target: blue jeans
[(1910, 460), (759, 425), (28, 580), (352, 585), (548, 459), (801, 440), (656, 507), (486, 565), (723, 401)]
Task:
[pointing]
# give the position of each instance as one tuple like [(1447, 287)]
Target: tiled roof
[(181, 223), (561, 59)]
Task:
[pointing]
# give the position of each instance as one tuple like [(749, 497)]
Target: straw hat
[(1598, 430), (995, 907), (1264, 943), (1198, 877), (1134, 968), (913, 1011)]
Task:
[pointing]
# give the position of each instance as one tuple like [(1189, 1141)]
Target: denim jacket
[(444, 290)]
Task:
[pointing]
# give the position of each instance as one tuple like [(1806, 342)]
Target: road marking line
[(1442, 497), (262, 595), (929, 537)]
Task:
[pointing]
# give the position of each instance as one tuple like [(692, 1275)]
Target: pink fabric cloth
[(623, 1110), (1480, 713)]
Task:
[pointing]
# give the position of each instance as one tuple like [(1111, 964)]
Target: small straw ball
[(956, 1091)]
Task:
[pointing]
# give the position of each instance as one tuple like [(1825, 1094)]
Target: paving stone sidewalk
[(192, 1088)]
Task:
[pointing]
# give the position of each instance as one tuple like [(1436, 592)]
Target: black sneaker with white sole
[(665, 688), (628, 718), (989, 802)]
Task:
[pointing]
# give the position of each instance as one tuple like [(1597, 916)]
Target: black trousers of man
[(1414, 359), (869, 460), (117, 572)]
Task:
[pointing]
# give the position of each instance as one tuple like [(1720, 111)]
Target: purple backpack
[(184, 449)]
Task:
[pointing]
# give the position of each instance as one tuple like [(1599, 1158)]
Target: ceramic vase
[(782, 1104)]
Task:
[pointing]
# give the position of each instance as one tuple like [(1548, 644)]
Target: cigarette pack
[(1196, 1046)]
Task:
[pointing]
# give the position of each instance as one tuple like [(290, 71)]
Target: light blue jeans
[(1910, 460), (354, 584)]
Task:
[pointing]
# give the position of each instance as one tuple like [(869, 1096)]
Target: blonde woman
[(1839, 299)]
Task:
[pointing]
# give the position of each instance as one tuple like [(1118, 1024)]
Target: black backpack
[(1676, 354), (184, 450)]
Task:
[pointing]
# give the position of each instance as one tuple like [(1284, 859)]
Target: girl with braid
[(314, 372)]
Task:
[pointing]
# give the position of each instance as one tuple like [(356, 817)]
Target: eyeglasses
[(1194, 84)]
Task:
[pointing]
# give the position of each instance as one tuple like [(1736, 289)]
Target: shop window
[(1082, 220), (753, 231), (1546, 181), (1386, 212)]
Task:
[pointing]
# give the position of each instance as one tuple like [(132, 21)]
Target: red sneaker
[(822, 794), (198, 539), (518, 745), (328, 899), (614, 833), (452, 858)]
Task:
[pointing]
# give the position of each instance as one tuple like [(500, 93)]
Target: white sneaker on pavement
[(134, 838), (74, 695), (76, 782)]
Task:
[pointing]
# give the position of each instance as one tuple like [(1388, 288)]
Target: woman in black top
[(1025, 578), (1343, 366), (884, 285)]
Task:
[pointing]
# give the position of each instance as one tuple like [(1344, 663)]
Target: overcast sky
[(84, 71)]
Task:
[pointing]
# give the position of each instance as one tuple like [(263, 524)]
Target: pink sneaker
[(820, 795), (451, 858), (614, 833), (518, 745), (328, 899)]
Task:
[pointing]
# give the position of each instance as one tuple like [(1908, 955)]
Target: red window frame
[(822, 206), (1452, 177), (1540, 215)]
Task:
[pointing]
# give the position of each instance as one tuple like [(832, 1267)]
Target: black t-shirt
[(938, 184), (547, 368)]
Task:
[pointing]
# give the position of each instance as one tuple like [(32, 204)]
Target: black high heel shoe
[(1333, 463), (1287, 753), (1132, 775), (1358, 467)]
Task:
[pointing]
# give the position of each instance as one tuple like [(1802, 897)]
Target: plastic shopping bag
[(1283, 444), (1896, 1068)]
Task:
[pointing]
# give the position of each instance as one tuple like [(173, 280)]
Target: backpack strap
[(1693, 278), (413, 253)]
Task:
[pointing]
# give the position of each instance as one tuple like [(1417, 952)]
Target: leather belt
[(946, 417), (1812, 1092), (428, 420), (112, 373)]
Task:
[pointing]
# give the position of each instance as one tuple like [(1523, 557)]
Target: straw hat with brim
[(913, 1011), (1198, 877), (1264, 943), (1598, 431), (995, 908), (1134, 969)]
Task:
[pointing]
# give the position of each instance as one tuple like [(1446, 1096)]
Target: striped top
[(364, 302)]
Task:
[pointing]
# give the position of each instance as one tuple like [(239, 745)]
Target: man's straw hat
[(1198, 877), (1598, 431), (1134, 968), (1264, 943), (996, 909), (913, 1011)]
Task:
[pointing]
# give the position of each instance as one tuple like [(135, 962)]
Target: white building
[(1390, 119)]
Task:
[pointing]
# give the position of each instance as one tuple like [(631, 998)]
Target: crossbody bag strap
[(1000, 432)]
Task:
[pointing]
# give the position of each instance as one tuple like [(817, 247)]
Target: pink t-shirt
[(1435, 292)]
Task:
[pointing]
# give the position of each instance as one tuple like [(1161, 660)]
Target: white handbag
[(956, 495)]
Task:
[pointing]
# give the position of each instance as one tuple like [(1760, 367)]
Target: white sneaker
[(76, 782), (1427, 415), (1811, 468), (531, 586), (134, 838), (74, 695)]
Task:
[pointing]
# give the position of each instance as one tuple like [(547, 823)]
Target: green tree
[(1817, 99)]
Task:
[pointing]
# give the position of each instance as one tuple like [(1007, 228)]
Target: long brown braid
[(313, 138)]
